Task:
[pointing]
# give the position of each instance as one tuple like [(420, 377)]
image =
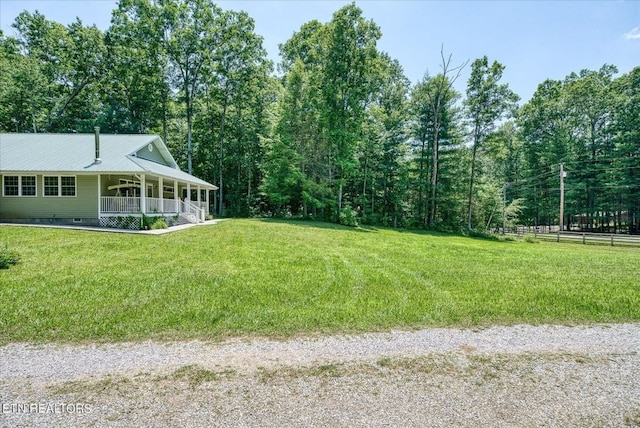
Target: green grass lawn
[(276, 278)]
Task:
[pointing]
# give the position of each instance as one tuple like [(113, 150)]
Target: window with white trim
[(59, 185), (67, 186), (28, 185), (19, 185), (50, 186), (11, 185)]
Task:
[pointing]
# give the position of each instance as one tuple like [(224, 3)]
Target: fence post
[(584, 239), (612, 240), (558, 236)]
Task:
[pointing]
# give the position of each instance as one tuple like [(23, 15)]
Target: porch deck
[(127, 205)]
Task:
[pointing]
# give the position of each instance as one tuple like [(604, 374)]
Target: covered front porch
[(149, 195)]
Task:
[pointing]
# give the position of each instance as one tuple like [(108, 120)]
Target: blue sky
[(535, 40)]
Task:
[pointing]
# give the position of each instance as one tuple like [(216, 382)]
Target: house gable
[(156, 151)]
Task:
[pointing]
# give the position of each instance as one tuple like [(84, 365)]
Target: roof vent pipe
[(97, 132)]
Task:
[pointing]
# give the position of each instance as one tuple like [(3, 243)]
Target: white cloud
[(633, 34)]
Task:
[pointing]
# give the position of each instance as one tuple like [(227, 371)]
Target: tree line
[(335, 131)]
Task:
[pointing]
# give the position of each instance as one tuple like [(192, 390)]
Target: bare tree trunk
[(189, 126), (421, 179), (438, 103), (224, 115), (471, 181)]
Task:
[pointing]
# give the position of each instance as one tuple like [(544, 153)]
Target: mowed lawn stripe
[(281, 278)]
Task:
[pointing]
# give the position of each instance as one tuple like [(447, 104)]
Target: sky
[(534, 40)]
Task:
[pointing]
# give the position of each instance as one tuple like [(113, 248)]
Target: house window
[(68, 186), (59, 186), (28, 185), (11, 185), (51, 186), (16, 185), (167, 189)]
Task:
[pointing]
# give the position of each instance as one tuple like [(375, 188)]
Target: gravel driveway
[(520, 376)]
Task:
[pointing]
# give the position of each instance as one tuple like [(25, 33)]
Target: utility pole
[(563, 174)]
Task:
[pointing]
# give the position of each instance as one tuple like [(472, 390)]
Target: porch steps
[(185, 218)]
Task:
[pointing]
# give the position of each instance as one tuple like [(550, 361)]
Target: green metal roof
[(75, 153)]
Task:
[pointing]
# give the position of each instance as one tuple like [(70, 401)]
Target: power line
[(551, 174), (622, 186)]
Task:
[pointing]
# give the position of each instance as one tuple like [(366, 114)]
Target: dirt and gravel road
[(521, 376)]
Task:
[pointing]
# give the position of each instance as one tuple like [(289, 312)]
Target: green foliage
[(147, 222), (512, 212), (8, 257), (581, 123), (473, 233), (434, 127), (341, 125), (283, 182), (332, 69), (487, 102), (153, 223), (66, 64), (139, 95), (160, 223), (348, 216)]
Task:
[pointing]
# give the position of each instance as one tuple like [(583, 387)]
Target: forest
[(334, 131)]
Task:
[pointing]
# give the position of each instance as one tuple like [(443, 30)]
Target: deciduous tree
[(486, 104)]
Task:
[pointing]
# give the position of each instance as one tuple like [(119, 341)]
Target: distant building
[(95, 179)]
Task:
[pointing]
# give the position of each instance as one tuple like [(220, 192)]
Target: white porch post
[(161, 194), (206, 200), (189, 192), (200, 209), (99, 198), (143, 194), (176, 196)]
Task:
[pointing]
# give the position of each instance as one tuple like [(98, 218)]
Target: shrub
[(152, 223), (8, 258), (473, 233), (159, 224), (147, 222), (348, 216)]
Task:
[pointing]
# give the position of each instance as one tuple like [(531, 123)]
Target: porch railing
[(189, 207), (119, 204), (131, 205), (156, 205)]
